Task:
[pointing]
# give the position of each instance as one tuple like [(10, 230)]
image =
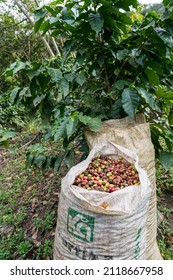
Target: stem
[(108, 86), (52, 39), (23, 10)]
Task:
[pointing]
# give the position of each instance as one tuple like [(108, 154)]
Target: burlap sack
[(135, 136), (87, 230)]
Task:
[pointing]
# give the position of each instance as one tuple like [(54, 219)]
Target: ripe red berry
[(108, 175)]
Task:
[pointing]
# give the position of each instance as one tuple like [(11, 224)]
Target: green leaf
[(96, 21), (140, 59), (122, 54), (166, 159), (38, 99), (148, 98), (14, 93), (15, 67), (39, 160), (120, 84), (44, 27), (7, 135), (164, 36), (168, 3), (71, 126), (60, 131), (39, 16), (93, 123), (124, 19), (100, 59), (170, 118), (21, 65), (38, 24), (29, 160), (64, 86), (130, 100), (125, 4), (58, 162), (9, 70), (152, 76), (37, 149), (55, 74), (49, 162), (69, 158), (51, 11), (116, 109), (80, 79), (67, 15)]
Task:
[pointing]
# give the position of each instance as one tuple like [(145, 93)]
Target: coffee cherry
[(108, 175)]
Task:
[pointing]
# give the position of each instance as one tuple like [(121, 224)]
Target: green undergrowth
[(164, 181), (29, 202)]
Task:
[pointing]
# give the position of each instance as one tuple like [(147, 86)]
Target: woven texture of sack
[(87, 230), (135, 136)]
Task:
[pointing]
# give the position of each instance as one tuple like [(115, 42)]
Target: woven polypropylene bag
[(86, 230), (134, 135)]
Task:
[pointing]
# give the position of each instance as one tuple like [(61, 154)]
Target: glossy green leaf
[(71, 126), (39, 18), (130, 100), (60, 130), (165, 36), (44, 27), (147, 96), (69, 158), (93, 123), (64, 86), (38, 24), (38, 14), (14, 93), (80, 79), (96, 21), (122, 54), (16, 67), (38, 99), (152, 76), (58, 162), (120, 84), (55, 74)]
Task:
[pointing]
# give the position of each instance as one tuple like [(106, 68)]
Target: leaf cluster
[(113, 64)]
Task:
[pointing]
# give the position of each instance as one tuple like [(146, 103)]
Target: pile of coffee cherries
[(108, 175)]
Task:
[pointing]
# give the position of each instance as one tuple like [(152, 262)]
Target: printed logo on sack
[(80, 225)]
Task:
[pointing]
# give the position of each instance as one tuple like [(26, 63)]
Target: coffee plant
[(115, 61)]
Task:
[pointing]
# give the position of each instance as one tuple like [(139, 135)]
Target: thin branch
[(28, 143), (52, 39), (23, 10), (12, 25)]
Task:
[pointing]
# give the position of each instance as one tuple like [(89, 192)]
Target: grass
[(28, 205), (29, 201), (164, 180)]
